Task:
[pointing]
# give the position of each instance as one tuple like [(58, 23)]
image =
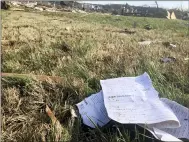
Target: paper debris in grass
[(162, 135), (133, 100), (172, 45), (168, 134), (31, 5), (93, 111), (182, 113), (74, 11), (38, 8), (145, 43)]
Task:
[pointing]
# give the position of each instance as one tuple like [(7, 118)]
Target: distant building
[(145, 10)]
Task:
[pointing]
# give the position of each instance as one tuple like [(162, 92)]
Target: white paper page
[(93, 108), (182, 114), (166, 137), (161, 135), (134, 100)]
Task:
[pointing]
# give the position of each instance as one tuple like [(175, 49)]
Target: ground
[(82, 49)]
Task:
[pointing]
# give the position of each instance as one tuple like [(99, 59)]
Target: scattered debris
[(30, 5), (148, 27), (172, 45), (99, 119), (182, 113), (51, 10), (171, 15), (73, 113), (168, 15), (145, 43), (169, 45), (56, 124), (142, 101), (81, 11), (15, 3), (168, 59), (129, 31), (74, 11), (67, 28), (38, 8)]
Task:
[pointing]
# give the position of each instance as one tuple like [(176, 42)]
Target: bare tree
[(157, 4)]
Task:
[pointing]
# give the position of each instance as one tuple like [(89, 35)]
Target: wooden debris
[(56, 124)]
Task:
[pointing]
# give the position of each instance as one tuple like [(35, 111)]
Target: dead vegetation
[(84, 53), (24, 117)]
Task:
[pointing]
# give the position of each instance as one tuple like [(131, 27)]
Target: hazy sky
[(164, 4)]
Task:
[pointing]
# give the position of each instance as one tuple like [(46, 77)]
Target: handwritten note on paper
[(182, 114), (93, 111), (134, 100)]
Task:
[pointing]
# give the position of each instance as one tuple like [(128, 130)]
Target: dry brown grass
[(34, 45), (24, 117)]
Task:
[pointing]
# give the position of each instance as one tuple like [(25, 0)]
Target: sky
[(163, 4)]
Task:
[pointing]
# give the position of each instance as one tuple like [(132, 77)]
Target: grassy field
[(82, 49)]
